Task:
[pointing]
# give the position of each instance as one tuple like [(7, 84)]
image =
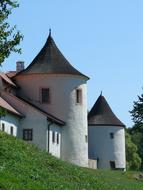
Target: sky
[(103, 39)]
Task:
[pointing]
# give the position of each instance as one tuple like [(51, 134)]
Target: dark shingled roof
[(50, 60), (101, 114), (4, 104)]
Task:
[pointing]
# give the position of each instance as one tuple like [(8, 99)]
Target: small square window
[(27, 134), (45, 95), (78, 96), (3, 127), (53, 136), (112, 135)]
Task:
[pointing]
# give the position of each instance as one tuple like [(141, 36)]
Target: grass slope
[(24, 167)]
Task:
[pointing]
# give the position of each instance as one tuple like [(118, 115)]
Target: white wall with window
[(9, 124), (34, 125), (55, 140), (78, 96), (33, 119), (68, 102), (107, 145)]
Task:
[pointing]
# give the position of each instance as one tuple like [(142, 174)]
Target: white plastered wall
[(104, 148), (33, 120), (74, 147), (10, 120), (54, 147)]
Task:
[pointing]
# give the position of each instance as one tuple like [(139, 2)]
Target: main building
[(46, 104)]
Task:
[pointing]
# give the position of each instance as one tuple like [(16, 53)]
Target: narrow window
[(111, 135), (45, 95), (57, 138), (86, 138), (53, 136), (27, 134), (78, 96), (11, 130), (3, 127)]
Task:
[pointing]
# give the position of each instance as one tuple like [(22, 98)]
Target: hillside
[(24, 167)]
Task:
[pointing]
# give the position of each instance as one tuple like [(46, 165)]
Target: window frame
[(29, 135), (78, 96), (41, 95)]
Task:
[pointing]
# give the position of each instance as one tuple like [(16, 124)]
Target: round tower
[(106, 136), (59, 89)]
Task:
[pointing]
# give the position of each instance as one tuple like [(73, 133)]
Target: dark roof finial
[(101, 93), (50, 32)]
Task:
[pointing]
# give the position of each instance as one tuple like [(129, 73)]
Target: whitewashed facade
[(10, 124), (55, 140), (64, 106), (107, 148), (32, 119), (106, 137), (46, 105)]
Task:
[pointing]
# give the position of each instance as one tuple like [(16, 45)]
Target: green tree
[(137, 112), (137, 130), (132, 157), (9, 37), (2, 111)]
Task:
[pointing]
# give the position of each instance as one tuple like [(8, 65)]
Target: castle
[(46, 104)]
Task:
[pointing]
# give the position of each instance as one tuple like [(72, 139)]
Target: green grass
[(24, 167)]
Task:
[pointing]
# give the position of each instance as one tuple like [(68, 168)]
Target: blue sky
[(103, 39)]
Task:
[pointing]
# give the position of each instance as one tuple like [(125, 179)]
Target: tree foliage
[(2, 111), (9, 37), (132, 157), (137, 112), (137, 130)]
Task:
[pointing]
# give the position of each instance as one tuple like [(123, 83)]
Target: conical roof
[(50, 60), (101, 114)]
